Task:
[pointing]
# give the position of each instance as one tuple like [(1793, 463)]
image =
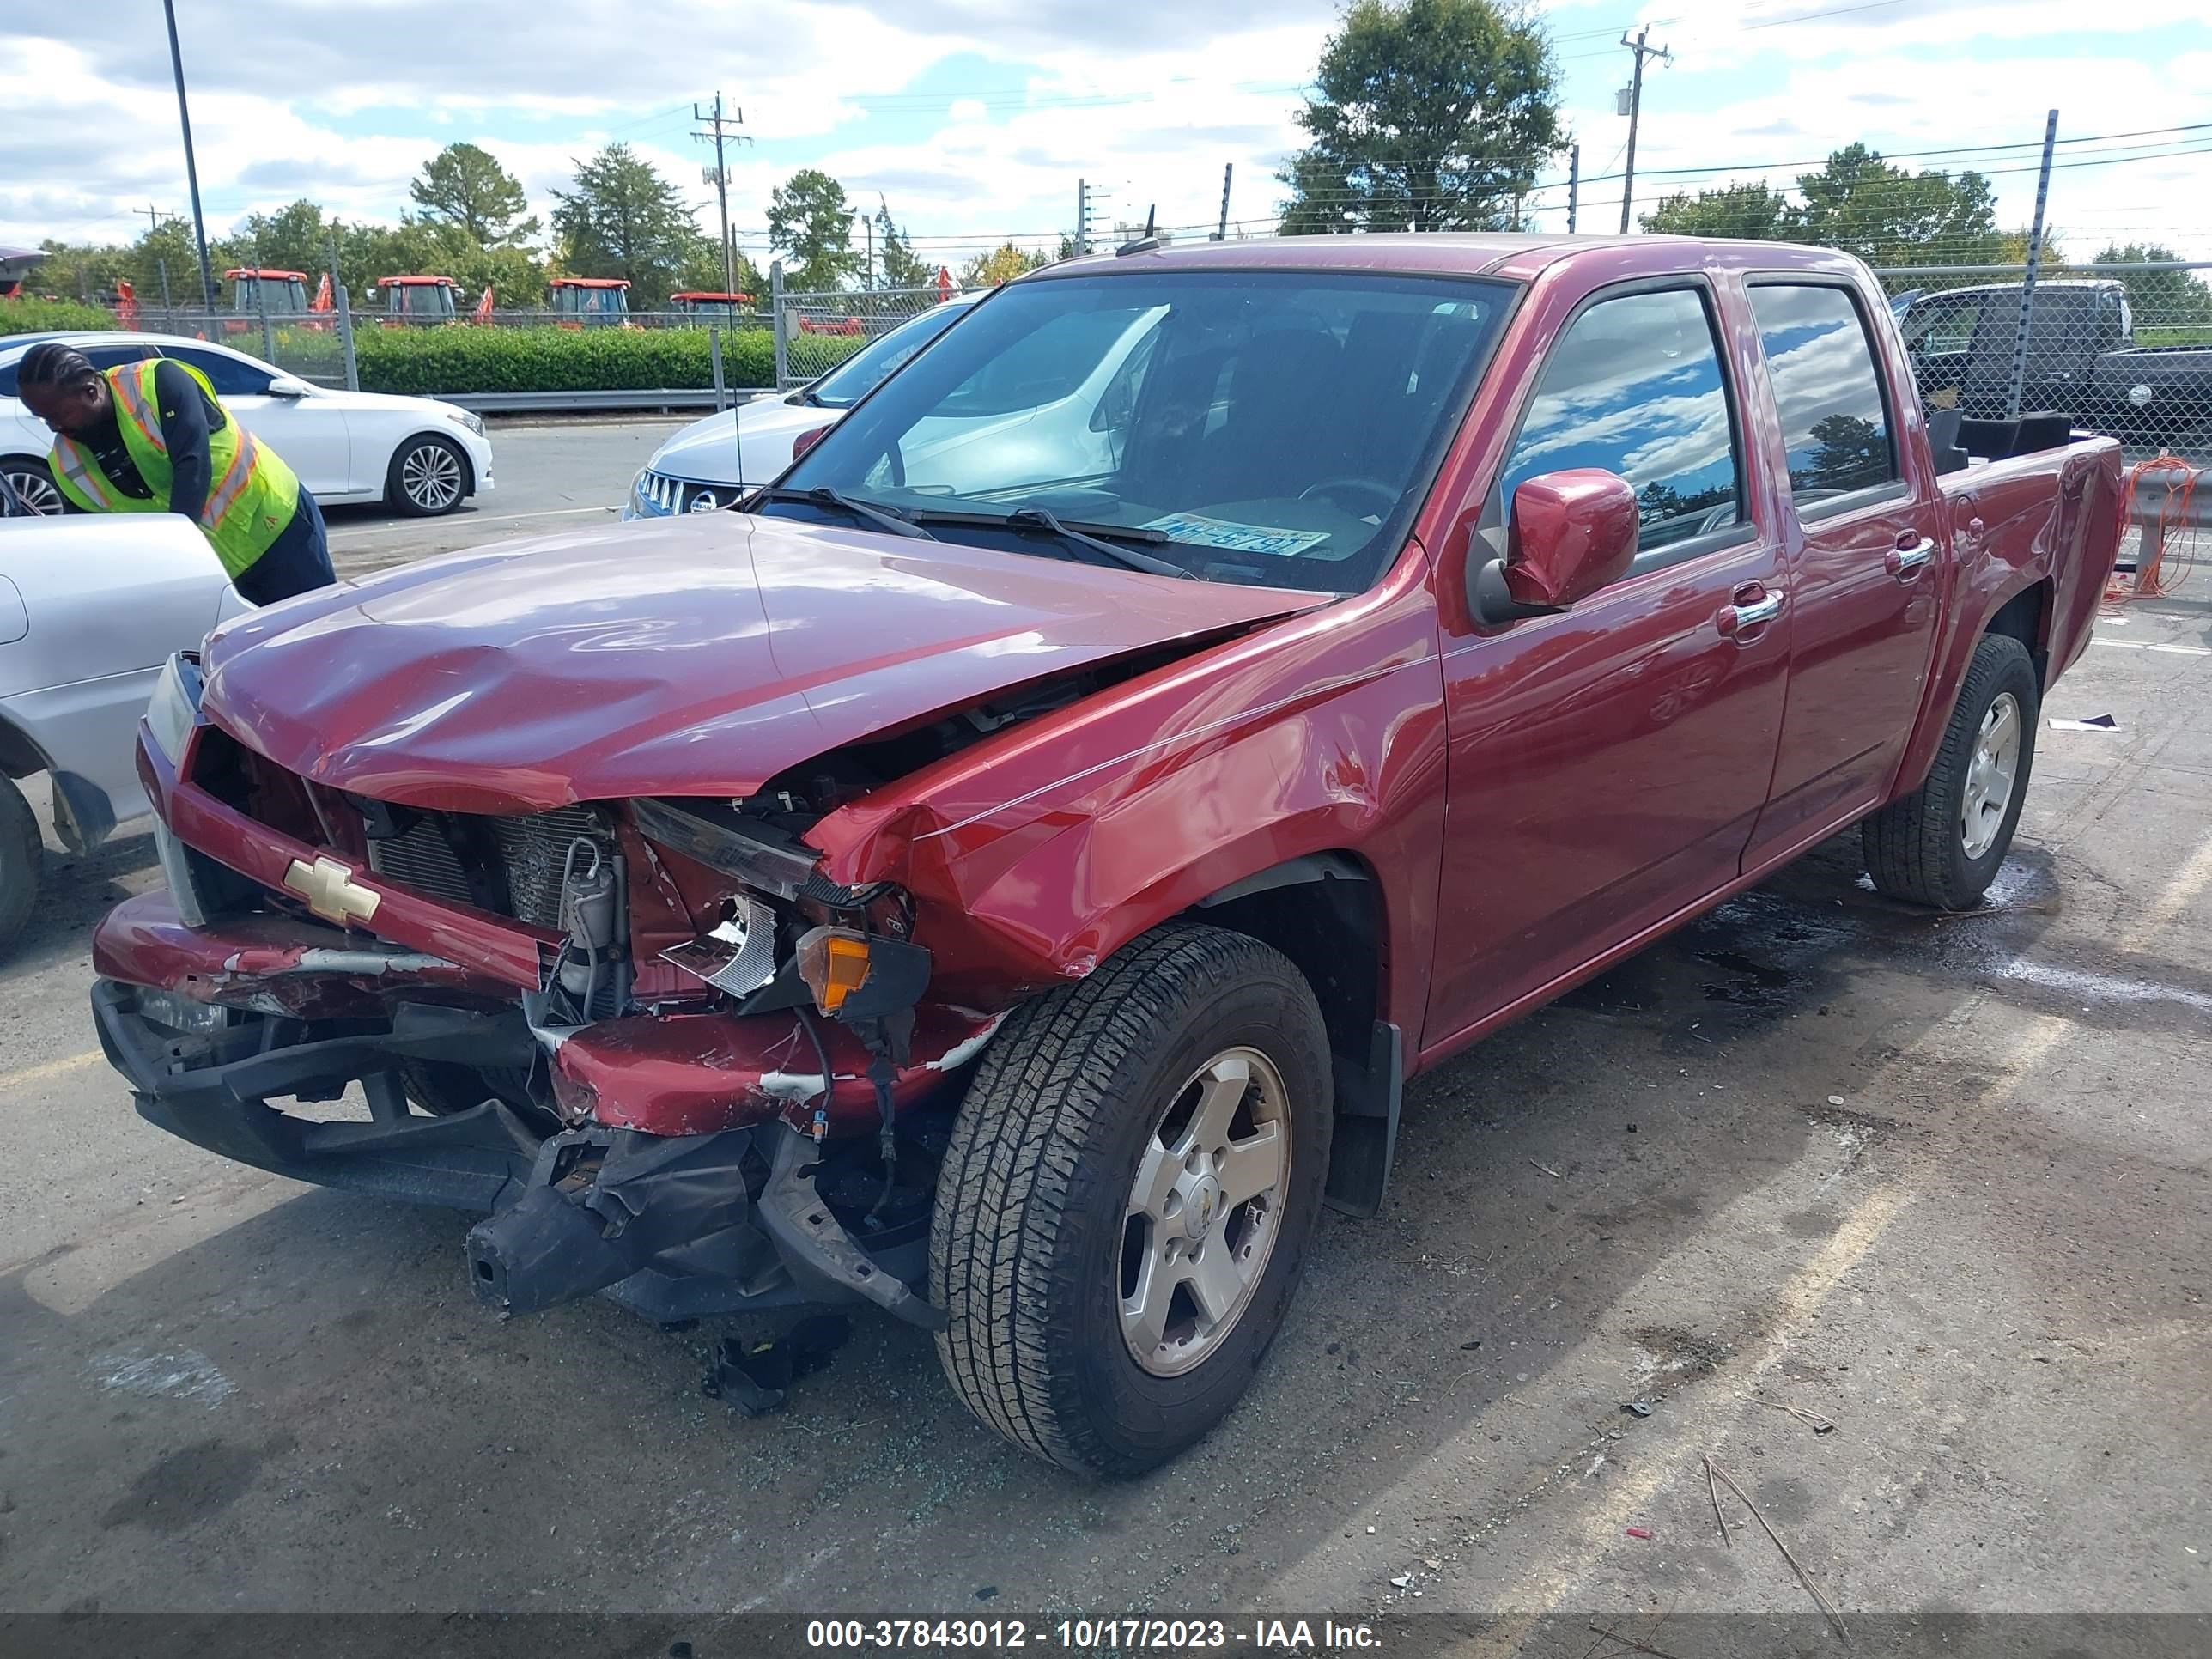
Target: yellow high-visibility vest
[(252, 494)]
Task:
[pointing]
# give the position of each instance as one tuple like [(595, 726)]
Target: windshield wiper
[(1038, 518), (822, 496), (1091, 537)]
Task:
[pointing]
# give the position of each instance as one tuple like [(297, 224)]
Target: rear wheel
[(1941, 845), (21, 854), (35, 483), (429, 475), (1123, 1212)]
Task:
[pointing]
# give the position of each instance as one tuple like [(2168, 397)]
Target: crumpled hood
[(693, 656), (759, 433)]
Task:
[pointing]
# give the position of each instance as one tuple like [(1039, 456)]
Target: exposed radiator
[(531, 852)]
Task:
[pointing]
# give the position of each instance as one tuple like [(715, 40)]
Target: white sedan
[(416, 455), (91, 609), (709, 462)]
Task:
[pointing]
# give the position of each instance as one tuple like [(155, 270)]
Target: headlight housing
[(174, 707), (469, 418)]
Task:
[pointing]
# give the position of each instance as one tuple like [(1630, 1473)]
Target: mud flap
[(814, 1245), (1364, 1137)]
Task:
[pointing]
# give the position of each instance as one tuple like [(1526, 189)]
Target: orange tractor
[(418, 300), (591, 302)]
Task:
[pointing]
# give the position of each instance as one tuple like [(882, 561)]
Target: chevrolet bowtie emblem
[(331, 891)]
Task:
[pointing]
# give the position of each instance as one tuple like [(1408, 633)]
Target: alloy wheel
[(1989, 776), (431, 476), (1203, 1211)]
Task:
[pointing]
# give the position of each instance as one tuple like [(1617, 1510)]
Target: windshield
[(1273, 427), (868, 368)]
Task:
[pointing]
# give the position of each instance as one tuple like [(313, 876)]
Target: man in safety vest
[(151, 437)]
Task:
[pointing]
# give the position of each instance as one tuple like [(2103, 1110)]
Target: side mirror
[(1571, 533), (283, 385)]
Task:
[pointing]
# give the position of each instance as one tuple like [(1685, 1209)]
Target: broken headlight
[(174, 707)]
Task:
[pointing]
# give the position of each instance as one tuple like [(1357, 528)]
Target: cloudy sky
[(975, 118)]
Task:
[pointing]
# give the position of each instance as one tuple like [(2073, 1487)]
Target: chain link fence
[(2126, 349), (815, 332)]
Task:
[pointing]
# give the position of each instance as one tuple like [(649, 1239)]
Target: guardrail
[(673, 400)]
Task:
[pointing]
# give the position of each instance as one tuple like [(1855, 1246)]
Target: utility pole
[(1635, 110), (1574, 183), (192, 167), (1082, 217), (1228, 171), (2035, 268), (153, 218), (720, 132)]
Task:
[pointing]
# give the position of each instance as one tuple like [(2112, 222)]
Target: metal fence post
[(2034, 263), (345, 336), (781, 324), (715, 352)]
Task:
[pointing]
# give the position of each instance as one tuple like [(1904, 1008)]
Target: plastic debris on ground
[(756, 1380)]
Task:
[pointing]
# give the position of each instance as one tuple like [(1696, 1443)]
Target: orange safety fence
[(2167, 548)]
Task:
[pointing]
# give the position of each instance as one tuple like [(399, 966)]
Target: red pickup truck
[(1006, 871)]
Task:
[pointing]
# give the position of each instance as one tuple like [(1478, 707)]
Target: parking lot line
[(50, 1068), (2177, 895), (1699, 1424)]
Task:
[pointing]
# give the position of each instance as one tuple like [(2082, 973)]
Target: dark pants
[(297, 561)]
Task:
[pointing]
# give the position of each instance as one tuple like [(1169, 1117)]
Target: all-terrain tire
[(1028, 1239), (1915, 848), (21, 854)]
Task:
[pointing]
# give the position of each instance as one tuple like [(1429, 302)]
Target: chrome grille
[(668, 494)]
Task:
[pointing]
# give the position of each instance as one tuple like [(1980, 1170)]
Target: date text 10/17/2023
[(1091, 1635)]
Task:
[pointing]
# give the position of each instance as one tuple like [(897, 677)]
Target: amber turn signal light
[(834, 963)]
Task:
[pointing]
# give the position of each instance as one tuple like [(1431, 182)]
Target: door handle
[(1906, 558), (1753, 609)]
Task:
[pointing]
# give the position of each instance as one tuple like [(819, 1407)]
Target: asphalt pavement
[(1940, 1181), (548, 476)]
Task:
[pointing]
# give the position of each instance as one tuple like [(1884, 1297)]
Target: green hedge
[(42, 316), (442, 362), (429, 362)]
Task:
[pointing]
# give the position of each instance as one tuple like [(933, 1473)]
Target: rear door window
[(1835, 423), (1635, 387), (231, 377)]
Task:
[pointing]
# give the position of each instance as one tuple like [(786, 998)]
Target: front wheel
[(34, 485), (1123, 1212), (427, 477), (1941, 845)]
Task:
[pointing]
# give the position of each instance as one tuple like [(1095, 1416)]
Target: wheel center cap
[(1203, 1208)]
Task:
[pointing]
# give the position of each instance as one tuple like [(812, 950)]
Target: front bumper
[(669, 1226)]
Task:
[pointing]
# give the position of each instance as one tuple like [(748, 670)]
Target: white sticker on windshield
[(1241, 537)]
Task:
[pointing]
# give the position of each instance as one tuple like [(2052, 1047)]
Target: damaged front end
[(669, 1059)]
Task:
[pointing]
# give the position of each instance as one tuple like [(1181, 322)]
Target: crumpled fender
[(1036, 855)]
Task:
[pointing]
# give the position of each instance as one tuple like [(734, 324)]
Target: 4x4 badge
[(331, 891)]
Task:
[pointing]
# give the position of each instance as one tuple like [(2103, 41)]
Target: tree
[(1857, 201), (1430, 115), (466, 186), (1890, 217), (623, 219), (1750, 211), (2160, 299), (810, 219), (1001, 265), (294, 238), (702, 271), (895, 256)]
